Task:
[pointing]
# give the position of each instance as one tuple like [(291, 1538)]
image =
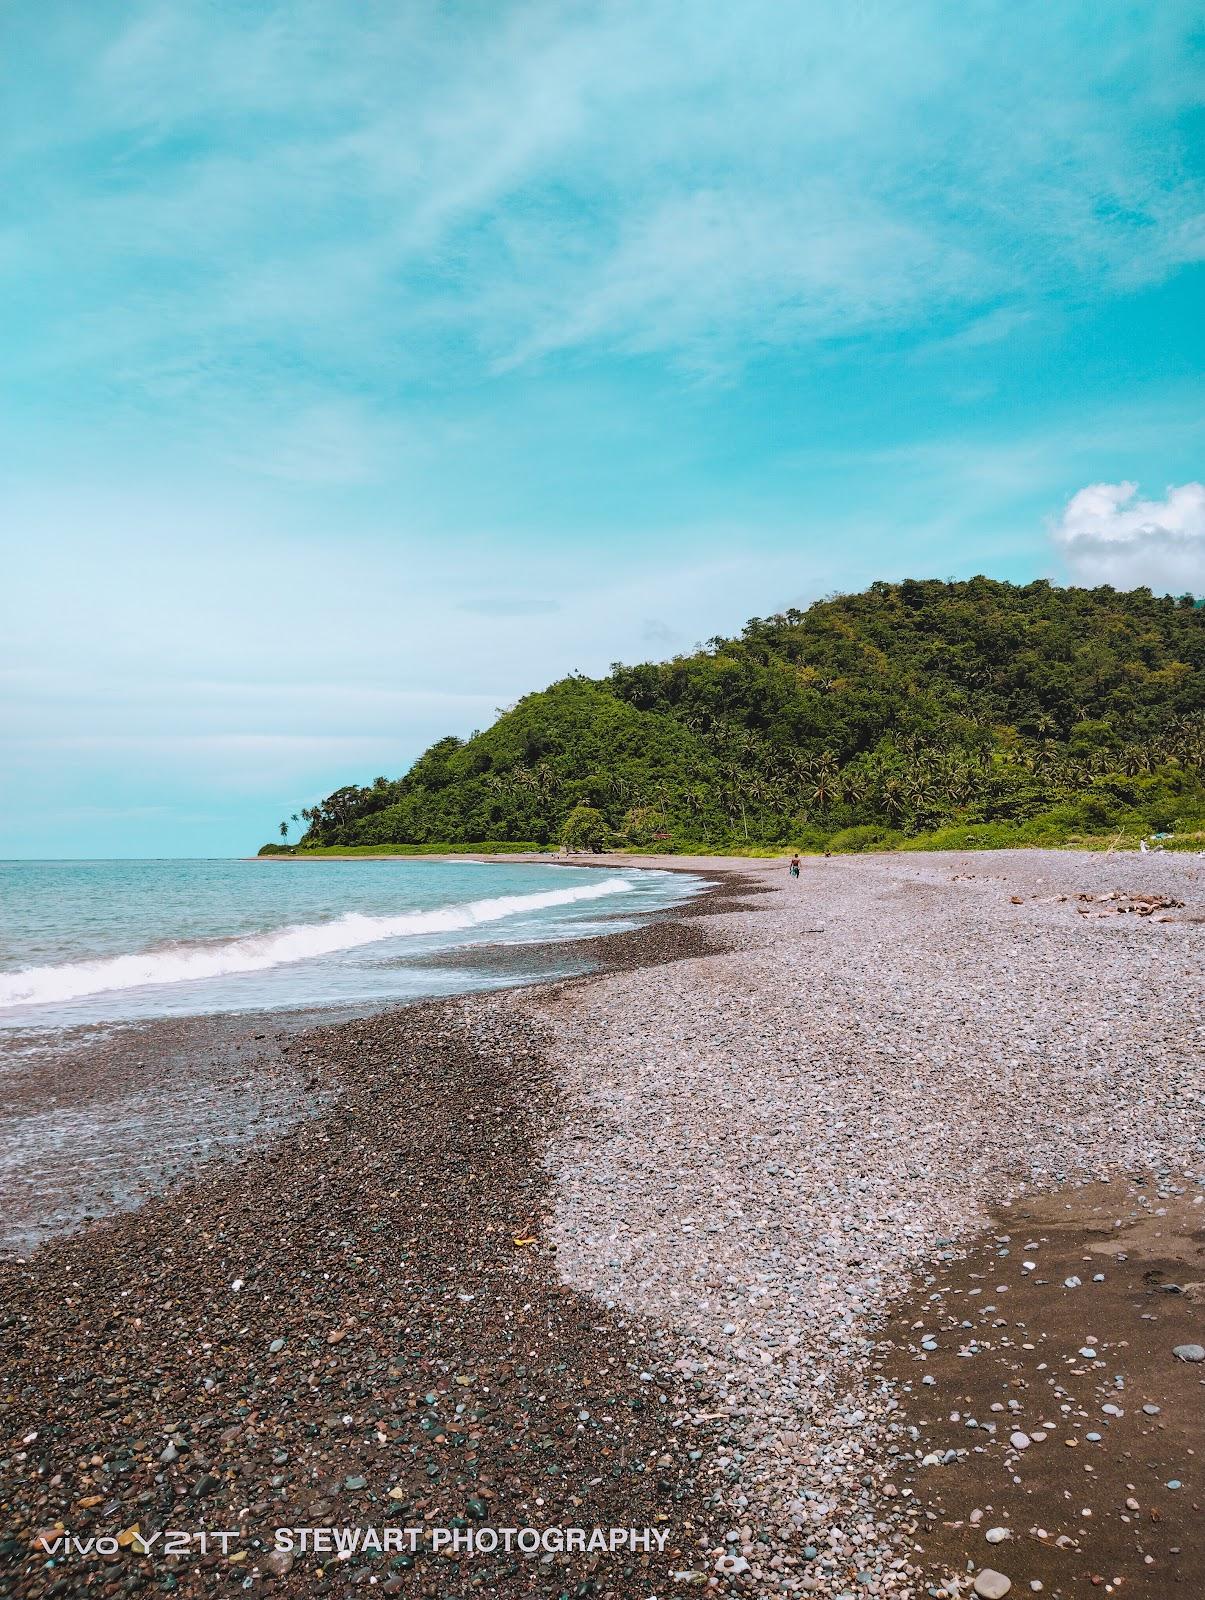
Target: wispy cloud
[(399, 186), (1109, 535)]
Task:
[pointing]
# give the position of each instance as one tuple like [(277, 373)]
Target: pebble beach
[(770, 1146), (759, 1239)]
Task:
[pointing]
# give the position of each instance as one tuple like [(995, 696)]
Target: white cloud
[(1108, 535)]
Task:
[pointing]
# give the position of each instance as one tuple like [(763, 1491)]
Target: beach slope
[(666, 1248)]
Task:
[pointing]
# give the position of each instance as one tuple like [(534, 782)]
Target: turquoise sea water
[(101, 941)]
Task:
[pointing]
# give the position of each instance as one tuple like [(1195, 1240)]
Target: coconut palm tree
[(544, 780), (851, 786), (825, 773), (892, 797)]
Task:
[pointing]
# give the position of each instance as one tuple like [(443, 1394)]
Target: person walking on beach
[(794, 868)]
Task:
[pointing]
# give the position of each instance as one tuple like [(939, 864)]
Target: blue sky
[(367, 366)]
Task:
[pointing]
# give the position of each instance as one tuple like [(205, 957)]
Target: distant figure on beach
[(794, 868)]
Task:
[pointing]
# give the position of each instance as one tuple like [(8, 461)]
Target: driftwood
[(1114, 904)]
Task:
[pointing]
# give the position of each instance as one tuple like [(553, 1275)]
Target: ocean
[(122, 941)]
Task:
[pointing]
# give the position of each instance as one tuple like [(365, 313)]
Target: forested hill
[(911, 707)]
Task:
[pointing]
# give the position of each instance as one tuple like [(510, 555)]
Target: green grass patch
[(487, 847), (1048, 832)]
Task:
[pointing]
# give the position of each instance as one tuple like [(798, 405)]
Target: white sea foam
[(256, 952)]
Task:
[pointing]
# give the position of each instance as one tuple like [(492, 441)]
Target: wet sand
[(1045, 1360), (95, 1119)]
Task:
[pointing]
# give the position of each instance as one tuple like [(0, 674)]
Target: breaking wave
[(255, 952)]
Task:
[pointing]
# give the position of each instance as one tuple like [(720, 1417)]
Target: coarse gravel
[(357, 1325), (765, 1145)]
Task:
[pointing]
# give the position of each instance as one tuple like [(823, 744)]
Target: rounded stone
[(992, 1585)]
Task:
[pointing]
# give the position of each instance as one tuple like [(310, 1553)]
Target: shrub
[(868, 836), (642, 824), (808, 841), (973, 836), (585, 829)]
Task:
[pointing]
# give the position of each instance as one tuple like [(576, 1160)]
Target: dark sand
[(1063, 1498)]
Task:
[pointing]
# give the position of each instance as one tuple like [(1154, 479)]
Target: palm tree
[(852, 787), (695, 797), (734, 794), (891, 795), (825, 773), (795, 775), (544, 779), (759, 790), (284, 830), (958, 787), (1135, 760)]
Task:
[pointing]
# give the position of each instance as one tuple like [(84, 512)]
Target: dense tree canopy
[(910, 707)]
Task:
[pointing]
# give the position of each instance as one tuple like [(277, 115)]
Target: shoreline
[(96, 1116), (666, 1133), (428, 1161)]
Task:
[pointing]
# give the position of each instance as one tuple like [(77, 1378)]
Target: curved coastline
[(98, 1116), (732, 1167)]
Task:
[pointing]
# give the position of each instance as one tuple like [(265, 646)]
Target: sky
[(367, 366)]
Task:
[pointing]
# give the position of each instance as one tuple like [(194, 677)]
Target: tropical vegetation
[(959, 714)]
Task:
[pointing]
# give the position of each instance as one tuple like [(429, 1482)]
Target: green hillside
[(991, 712)]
